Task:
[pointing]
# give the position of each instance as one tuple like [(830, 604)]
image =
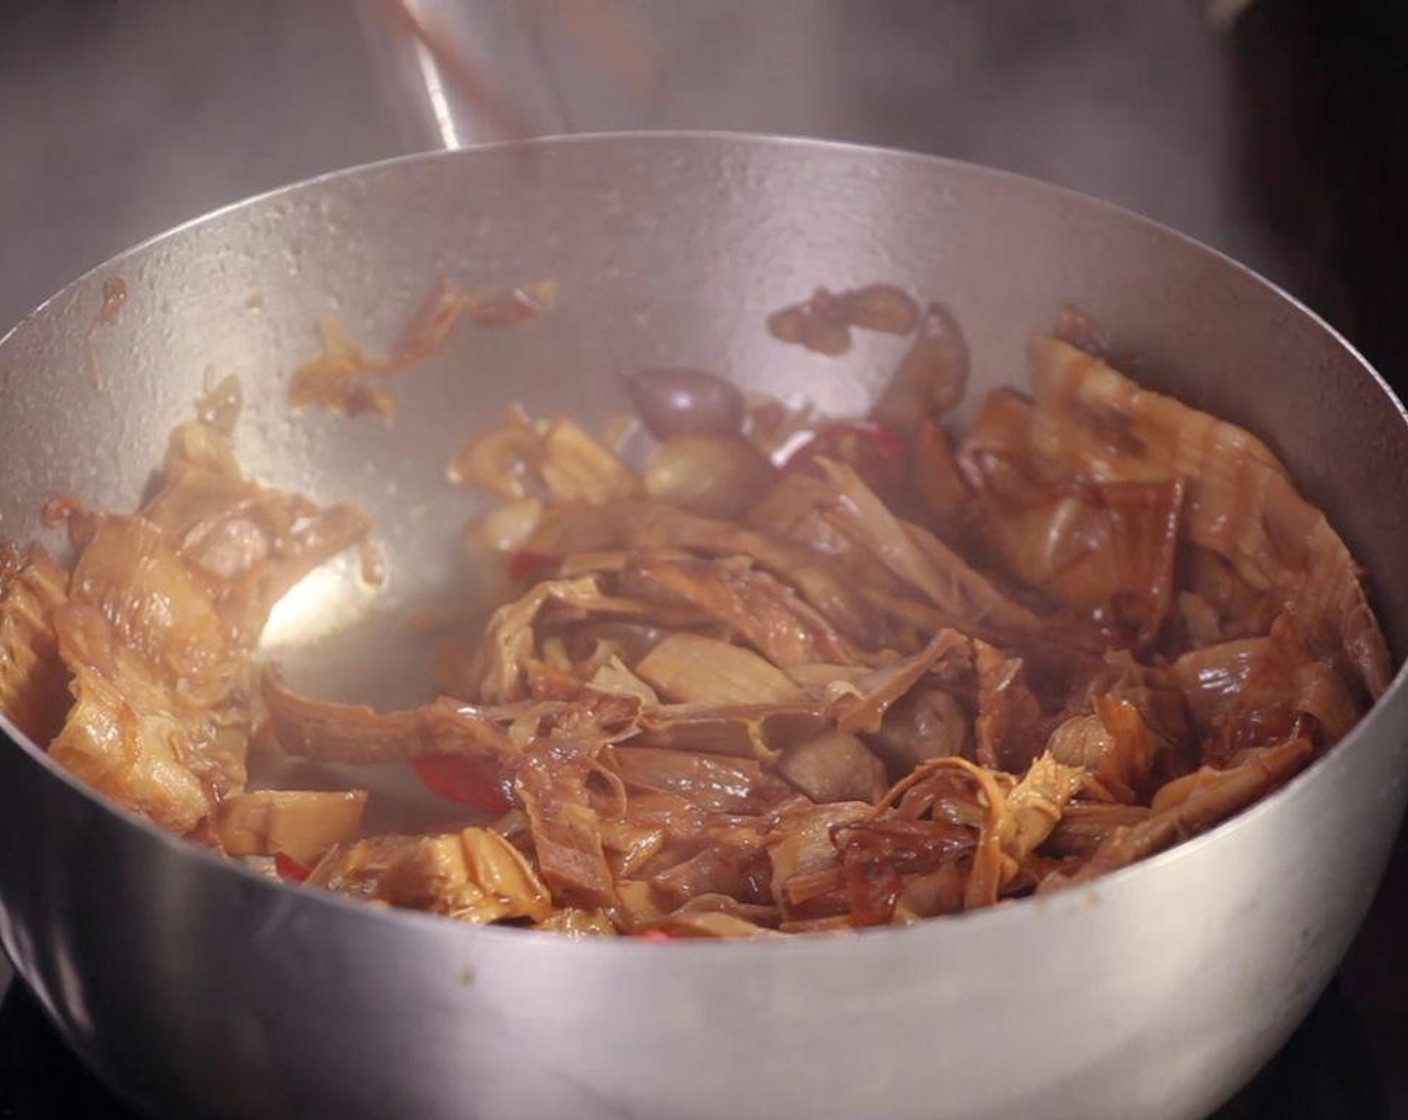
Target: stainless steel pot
[(202, 990)]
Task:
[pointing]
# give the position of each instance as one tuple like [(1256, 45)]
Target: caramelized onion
[(677, 402), (1083, 331), (833, 767), (931, 377), (823, 322), (716, 476), (882, 307)]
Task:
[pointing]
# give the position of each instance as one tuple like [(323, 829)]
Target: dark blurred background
[(1273, 130), (1266, 128)]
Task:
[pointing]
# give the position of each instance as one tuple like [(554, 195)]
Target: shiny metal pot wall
[(204, 990)]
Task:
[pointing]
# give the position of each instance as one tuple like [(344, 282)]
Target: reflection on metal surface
[(439, 104), (326, 602)]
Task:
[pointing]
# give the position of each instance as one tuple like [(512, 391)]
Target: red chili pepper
[(524, 565), (655, 935), (290, 869), (470, 781), (877, 453)]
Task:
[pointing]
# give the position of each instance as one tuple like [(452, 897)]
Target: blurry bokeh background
[(1267, 128), (1271, 129)]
